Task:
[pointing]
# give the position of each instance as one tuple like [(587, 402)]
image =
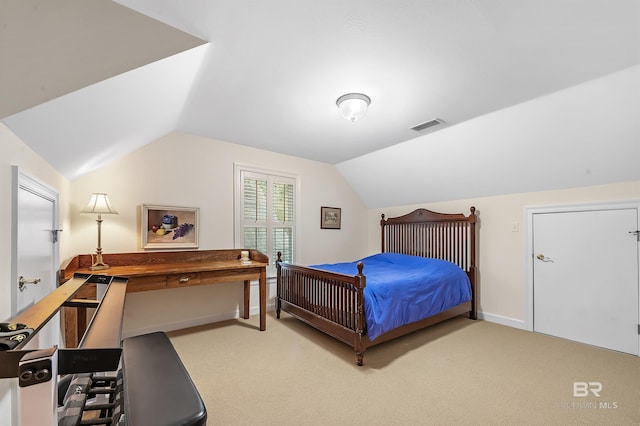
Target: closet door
[(585, 277)]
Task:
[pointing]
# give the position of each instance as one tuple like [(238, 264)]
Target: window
[(266, 213)]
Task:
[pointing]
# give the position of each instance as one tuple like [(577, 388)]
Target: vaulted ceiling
[(100, 79)]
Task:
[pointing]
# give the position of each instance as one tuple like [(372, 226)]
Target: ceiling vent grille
[(427, 125)]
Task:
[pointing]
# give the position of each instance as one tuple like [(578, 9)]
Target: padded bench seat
[(157, 388)]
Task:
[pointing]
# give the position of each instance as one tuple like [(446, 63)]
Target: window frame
[(239, 170)]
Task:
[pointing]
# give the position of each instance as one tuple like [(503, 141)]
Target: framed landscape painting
[(167, 227), (330, 217)]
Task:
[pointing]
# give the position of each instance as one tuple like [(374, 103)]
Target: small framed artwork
[(330, 217), (166, 227)]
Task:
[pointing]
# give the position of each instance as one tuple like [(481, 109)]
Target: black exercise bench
[(158, 390), (152, 388)]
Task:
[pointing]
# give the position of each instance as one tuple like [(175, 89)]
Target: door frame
[(22, 180), (562, 208)]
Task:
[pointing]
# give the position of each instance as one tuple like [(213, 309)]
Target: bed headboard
[(425, 233)]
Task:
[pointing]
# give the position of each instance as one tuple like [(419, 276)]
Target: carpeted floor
[(461, 372)]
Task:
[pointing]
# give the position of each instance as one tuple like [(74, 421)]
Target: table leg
[(70, 327), (247, 292), (75, 325), (263, 300)]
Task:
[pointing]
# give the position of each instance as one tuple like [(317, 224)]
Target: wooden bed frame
[(334, 303)]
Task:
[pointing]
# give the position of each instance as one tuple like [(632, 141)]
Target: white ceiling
[(272, 71)]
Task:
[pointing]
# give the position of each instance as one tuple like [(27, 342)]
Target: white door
[(34, 255), (585, 275), (35, 249)]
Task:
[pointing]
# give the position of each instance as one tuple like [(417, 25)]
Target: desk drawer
[(146, 283), (226, 276), (183, 280)]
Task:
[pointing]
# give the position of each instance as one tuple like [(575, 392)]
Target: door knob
[(22, 282), (543, 258)]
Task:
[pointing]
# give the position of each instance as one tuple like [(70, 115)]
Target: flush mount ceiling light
[(353, 106)]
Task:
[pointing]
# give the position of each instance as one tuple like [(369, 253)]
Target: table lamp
[(99, 204)]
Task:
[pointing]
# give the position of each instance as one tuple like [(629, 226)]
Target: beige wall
[(187, 170), (501, 252)]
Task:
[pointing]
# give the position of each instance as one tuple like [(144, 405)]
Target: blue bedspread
[(402, 289)]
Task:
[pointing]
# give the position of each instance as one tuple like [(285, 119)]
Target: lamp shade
[(99, 204), (353, 106)]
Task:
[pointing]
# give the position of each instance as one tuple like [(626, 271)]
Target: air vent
[(427, 125)]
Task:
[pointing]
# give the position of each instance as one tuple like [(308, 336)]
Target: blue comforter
[(402, 289)]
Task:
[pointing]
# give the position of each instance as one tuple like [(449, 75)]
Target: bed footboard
[(330, 302)]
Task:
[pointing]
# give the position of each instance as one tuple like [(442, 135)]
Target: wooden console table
[(161, 270)]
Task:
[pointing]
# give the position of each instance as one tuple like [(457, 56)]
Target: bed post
[(472, 268), (360, 318), (382, 223), (278, 303)]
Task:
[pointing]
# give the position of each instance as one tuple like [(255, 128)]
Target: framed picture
[(330, 217), (165, 227)]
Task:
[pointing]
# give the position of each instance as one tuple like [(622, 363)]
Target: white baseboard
[(499, 319), (191, 322), (208, 319)]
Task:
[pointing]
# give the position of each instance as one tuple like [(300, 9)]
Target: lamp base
[(99, 266), (97, 263)]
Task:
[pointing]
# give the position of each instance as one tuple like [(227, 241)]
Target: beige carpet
[(461, 372)]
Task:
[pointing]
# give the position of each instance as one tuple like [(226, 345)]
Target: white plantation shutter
[(267, 214), (254, 213), (283, 219)]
